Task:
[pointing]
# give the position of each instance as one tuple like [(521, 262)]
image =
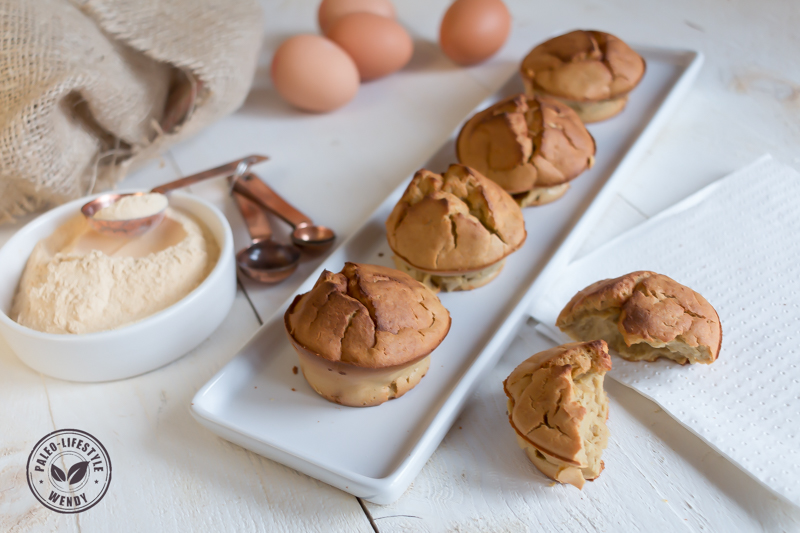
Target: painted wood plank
[(169, 472), (743, 105), (25, 418)]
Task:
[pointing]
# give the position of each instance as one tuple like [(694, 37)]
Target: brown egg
[(378, 45), (473, 30), (313, 73), (331, 10)]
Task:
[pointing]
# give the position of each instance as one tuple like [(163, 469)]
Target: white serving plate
[(375, 453), (130, 350)]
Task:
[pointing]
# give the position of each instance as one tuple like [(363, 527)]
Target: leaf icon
[(77, 472), (57, 473)]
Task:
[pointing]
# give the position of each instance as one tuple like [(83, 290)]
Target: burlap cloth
[(90, 88)]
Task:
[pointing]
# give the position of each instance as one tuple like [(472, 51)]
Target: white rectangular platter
[(258, 402)]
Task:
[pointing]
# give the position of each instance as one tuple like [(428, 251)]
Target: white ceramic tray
[(375, 453)]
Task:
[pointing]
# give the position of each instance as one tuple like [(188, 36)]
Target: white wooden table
[(170, 474)]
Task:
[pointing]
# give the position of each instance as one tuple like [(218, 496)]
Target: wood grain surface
[(170, 474)]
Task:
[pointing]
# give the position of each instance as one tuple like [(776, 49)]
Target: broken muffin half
[(643, 316), (558, 409), (453, 231), (365, 335)]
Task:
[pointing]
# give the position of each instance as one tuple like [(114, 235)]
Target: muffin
[(591, 71), (531, 146), (454, 231), (558, 409), (644, 316), (365, 334)]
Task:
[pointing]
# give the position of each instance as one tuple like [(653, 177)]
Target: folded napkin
[(736, 242)]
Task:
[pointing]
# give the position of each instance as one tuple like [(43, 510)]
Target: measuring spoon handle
[(222, 170), (254, 218), (251, 186)]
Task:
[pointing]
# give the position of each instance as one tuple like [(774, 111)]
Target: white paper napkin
[(737, 242)]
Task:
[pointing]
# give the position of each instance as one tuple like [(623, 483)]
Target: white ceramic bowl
[(130, 350)]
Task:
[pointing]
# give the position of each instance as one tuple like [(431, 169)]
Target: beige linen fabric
[(89, 88)]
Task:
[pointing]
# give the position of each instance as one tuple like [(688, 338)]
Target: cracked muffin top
[(456, 222), (557, 402), (583, 66), (524, 142), (368, 316), (648, 310)]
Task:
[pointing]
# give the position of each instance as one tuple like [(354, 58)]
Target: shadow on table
[(428, 57)]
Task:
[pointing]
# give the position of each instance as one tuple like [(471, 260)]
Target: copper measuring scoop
[(306, 234), (264, 260), (137, 226)]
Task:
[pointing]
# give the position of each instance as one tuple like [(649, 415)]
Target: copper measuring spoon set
[(265, 260)]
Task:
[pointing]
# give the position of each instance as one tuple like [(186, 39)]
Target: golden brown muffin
[(454, 231), (644, 316), (532, 147), (591, 71), (558, 408), (364, 335)]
